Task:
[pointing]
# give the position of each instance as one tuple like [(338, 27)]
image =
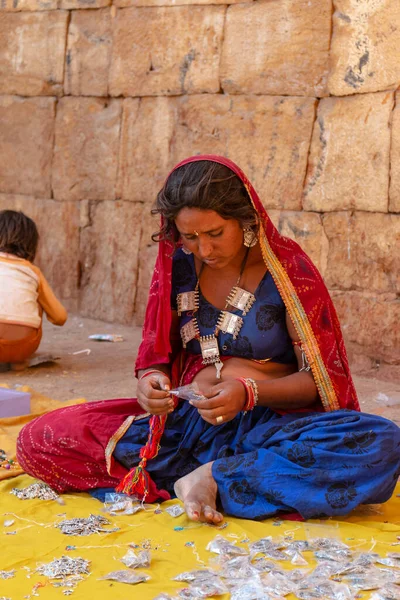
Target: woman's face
[(212, 239)]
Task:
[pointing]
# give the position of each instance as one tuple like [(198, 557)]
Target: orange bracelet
[(150, 373), (251, 393)]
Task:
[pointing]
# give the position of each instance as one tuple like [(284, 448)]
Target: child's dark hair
[(206, 185), (18, 234)]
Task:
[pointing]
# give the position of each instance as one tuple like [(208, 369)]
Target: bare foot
[(198, 492)]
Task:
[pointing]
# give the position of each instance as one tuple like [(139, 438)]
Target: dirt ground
[(107, 370)]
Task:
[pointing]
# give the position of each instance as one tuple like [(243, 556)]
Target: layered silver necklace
[(227, 322)]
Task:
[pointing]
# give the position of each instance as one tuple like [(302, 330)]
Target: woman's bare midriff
[(242, 367), (12, 332)]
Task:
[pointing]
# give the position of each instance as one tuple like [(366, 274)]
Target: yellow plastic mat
[(176, 544)]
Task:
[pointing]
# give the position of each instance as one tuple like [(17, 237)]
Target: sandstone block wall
[(99, 99)]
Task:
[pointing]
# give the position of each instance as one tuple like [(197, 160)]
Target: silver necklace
[(227, 322)]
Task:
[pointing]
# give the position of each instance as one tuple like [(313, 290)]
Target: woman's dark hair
[(206, 185), (18, 234)]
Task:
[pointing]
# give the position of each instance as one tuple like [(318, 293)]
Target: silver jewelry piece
[(241, 299), (305, 365), (187, 301), (249, 237), (186, 251), (229, 323), (209, 349), (189, 331)]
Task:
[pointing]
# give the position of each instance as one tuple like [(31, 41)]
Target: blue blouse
[(263, 335)]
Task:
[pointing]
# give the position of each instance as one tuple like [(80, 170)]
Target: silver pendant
[(187, 301), (189, 331), (241, 299), (209, 349), (218, 367), (230, 323)]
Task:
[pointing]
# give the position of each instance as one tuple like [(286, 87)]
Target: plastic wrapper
[(238, 567), (329, 544), (188, 392), (220, 545), (388, 592), (364, 582), (389, 561), (262, 564), (296, 557), (126, 576), (121, 504), (335, 554), (269, 548), (390, 575), (365, 558), (204, 589), (278, 584), (175, 510), (196, 575), (251, 589), (326, 570), (298, 575), (299, 546), (163, 596), (133, 560), (329, 590)]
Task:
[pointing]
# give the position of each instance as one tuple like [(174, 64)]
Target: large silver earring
[(249, 237), (186, 251)]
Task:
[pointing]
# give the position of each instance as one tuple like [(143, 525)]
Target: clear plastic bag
[(220, 545), (388, 592), (133, 560), (121, 504), (329, 590), (196, 575), (238, 567), (188, 392), (278, 584), (251, 589), (269, 548), (126, 576), (205, 589), (175, 510)]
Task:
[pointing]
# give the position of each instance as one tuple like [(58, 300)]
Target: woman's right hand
[(153, 396)]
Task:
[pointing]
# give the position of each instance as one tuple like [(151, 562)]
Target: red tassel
[(138, 481)]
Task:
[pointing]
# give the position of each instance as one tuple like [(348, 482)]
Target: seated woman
[(242, 311)]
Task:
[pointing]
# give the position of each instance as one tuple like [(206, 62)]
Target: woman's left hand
[(222, 402)]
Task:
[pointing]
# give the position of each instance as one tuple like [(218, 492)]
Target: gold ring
[(219, 420)]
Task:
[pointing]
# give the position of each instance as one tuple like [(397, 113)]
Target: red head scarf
[(306, 299), (302, 289)]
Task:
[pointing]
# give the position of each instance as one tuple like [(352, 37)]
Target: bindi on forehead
[(190, 220)]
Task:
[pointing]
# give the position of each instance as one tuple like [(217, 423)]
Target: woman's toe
[(193, 510), (212, 515)]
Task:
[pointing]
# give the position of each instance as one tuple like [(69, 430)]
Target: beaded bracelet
[(150, 373), (251, 393)]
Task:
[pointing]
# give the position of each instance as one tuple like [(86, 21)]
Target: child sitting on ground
[(24, 292)]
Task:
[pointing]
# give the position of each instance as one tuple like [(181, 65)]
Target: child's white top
[(25, 293)]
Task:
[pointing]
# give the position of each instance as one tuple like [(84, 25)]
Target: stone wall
[(99, 100)]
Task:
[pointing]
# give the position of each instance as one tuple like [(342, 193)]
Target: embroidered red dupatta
[(306, 299)]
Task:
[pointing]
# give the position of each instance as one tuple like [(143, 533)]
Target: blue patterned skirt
[(318, 464)]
